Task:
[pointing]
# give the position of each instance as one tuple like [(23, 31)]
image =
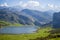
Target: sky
[(42, 5)]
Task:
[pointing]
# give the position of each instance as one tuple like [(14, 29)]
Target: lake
[(18, 30)]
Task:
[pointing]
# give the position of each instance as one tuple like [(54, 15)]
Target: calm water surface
[(18, 30)]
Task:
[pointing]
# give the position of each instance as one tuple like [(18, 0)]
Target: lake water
[(18, 30)]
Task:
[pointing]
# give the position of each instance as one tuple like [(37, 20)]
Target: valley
[(27, 24)]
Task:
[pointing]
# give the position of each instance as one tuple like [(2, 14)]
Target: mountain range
[(25, 16)]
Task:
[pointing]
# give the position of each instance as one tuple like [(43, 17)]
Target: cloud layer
[(53, 7), (29, 4), (35, 5), (4, 4)]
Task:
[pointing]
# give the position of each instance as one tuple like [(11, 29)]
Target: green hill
[(41, 34), (6, 24)]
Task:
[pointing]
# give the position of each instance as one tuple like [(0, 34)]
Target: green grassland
[(41, 34), (44, 33), (5, 24)]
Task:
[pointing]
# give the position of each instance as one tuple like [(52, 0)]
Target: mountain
[(56, 20), (50, 12), (42, 17), (24, 16), (13, 17)]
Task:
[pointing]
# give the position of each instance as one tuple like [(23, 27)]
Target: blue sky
[(33, 4)]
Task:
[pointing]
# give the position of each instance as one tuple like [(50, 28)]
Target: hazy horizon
[(41, 5)]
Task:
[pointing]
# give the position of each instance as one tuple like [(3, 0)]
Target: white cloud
[(53, 7), (4, 4), (22, 4), (29, 4), (50, 5), (33, 3), (36, 5)]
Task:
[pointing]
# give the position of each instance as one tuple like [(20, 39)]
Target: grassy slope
[(40, 33), (5, 24)]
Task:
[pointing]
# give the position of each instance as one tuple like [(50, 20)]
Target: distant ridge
[(25, 16)]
